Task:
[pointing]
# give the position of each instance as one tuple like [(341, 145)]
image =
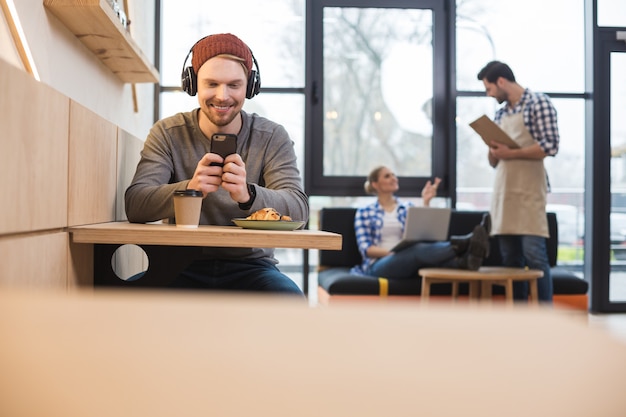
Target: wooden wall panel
[(34, 158), (34, 261), (60, 166), (128, 154), (92, 167)]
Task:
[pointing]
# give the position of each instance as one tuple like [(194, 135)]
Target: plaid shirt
[(539, 118), (368, 224)]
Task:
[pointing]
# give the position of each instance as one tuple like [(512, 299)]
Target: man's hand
[(207, 178), (499, 151), (234, 178)]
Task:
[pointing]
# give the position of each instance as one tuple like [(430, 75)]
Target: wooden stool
[(481, 281)]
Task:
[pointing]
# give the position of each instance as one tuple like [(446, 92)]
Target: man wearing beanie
[(263, 173)]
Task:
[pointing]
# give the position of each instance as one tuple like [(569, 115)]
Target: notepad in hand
[(491, 132)]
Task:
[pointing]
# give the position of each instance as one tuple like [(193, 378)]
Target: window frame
[(444, 135)]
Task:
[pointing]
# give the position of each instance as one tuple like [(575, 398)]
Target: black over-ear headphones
[(189, 79)]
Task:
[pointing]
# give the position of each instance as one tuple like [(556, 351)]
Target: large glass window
[(515, 33), (372, 113), (611, 13), (378, 91)]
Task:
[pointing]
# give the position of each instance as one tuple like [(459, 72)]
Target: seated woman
[(379, 227)]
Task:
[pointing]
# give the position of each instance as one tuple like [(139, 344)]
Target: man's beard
[(219, 121), (501, 97)]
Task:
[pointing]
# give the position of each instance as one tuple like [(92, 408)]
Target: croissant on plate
[(267, 213)]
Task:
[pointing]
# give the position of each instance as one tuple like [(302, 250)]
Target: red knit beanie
[(223, 43)]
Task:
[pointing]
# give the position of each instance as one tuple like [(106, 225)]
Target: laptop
[(424, 224)]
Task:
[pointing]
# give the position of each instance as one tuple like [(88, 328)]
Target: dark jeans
[(527, 251), (253, 275), (406, 263)]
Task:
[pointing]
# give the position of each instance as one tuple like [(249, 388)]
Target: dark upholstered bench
[(336, 281)]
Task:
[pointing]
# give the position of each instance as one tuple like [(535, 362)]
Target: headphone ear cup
[(254, 84), (189, 81)]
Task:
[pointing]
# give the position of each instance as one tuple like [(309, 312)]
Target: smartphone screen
[(223, 144)]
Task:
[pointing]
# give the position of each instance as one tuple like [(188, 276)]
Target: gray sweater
[(169, 159)]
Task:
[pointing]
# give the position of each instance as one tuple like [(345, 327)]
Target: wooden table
[(223, 236), (481, 282), (170, 248), (164, 354)]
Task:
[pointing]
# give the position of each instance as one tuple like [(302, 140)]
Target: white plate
[(268, 224)]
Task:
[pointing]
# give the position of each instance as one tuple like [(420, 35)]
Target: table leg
[(508, 290), (485, 289), (425, 289), (534, 291), (455, 290), (474, 290)]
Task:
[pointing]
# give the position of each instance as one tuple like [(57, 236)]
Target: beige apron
[(518, 205)]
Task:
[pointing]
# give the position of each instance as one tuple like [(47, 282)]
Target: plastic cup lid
[(188, 193)]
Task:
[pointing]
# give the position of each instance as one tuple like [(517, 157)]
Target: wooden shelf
[(97, 26)]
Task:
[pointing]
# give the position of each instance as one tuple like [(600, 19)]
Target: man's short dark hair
[(494, 70)]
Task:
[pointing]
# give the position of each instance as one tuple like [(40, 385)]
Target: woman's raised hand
[(430, 190)]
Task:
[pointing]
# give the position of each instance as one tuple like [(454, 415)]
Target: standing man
[(518, 206), (262, 173)]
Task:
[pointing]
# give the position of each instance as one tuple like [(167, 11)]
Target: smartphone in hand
[(223, 144)]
